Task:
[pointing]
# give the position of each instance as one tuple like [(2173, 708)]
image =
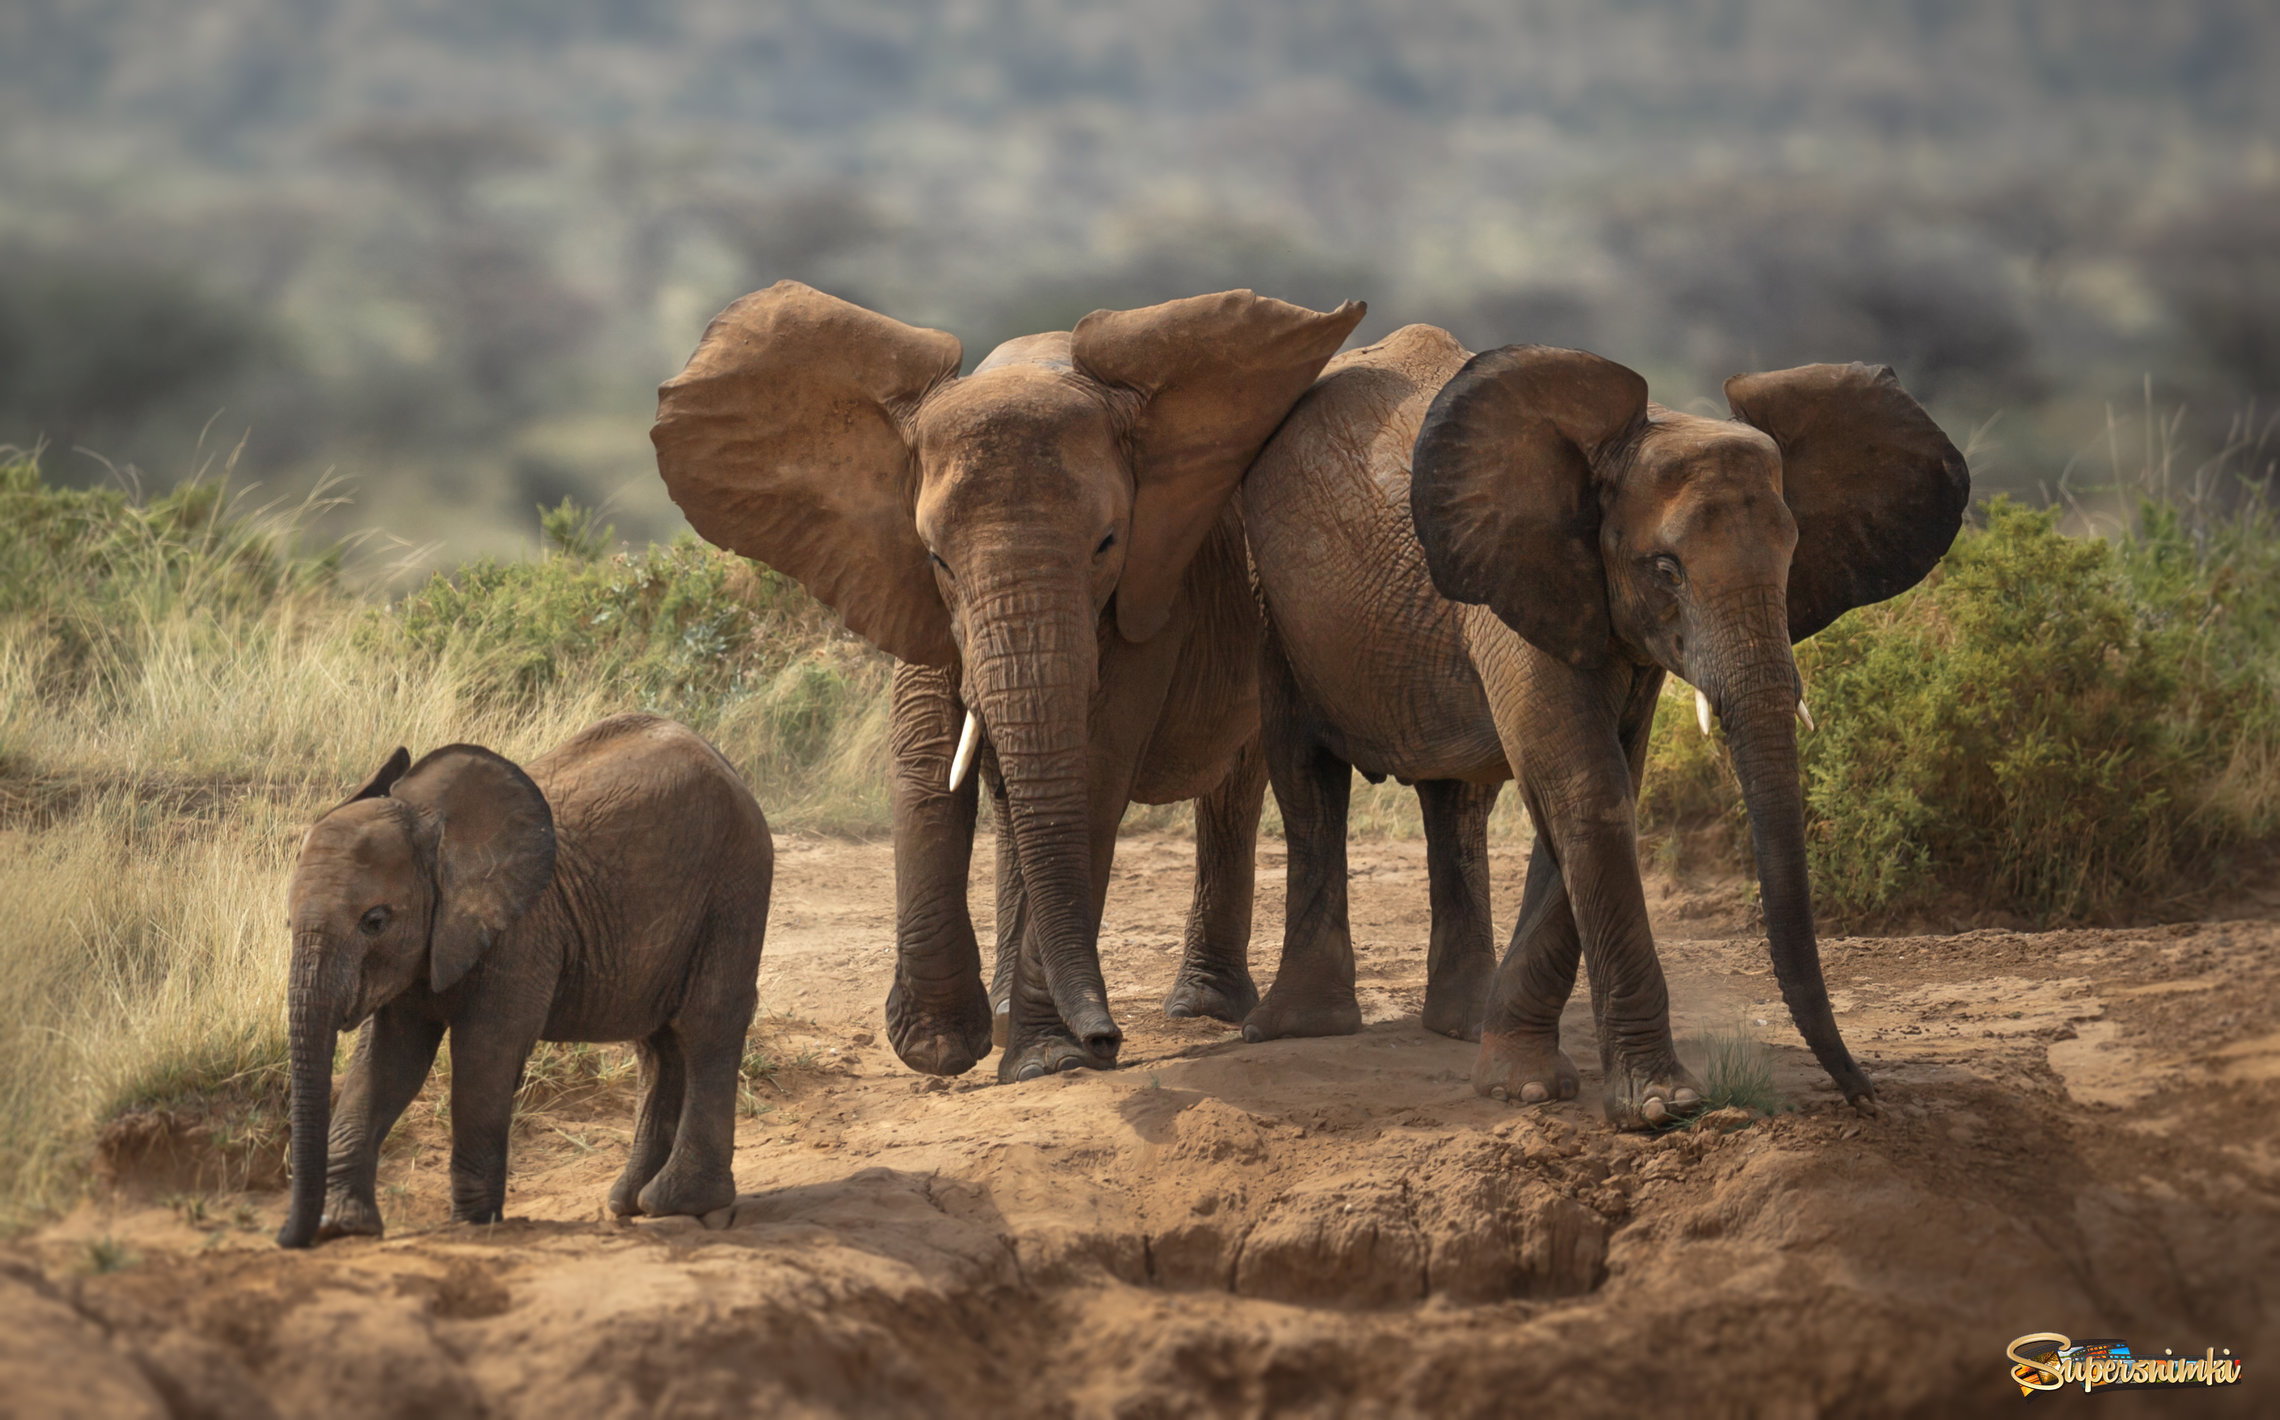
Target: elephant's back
[(647, 786), (1326, 509)]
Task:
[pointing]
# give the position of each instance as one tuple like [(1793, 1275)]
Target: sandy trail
[(2077, 1138)]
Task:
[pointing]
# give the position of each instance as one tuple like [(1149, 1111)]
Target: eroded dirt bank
[(2078, 1138)]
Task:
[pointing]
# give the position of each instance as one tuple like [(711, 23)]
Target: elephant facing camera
[(614, 889)]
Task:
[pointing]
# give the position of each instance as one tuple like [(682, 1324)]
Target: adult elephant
[(1481, 565), (1048, 545)]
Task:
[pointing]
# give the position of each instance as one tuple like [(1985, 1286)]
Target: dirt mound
[(2073, 1141), (159, 1153)]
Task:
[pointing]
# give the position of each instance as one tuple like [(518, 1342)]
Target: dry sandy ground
[(2078, 1137)]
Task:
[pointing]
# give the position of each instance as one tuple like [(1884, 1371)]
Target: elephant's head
[(1602, 527), (405, 884), (988, 522)]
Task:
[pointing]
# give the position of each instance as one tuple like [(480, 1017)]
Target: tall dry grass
[(182, 689)]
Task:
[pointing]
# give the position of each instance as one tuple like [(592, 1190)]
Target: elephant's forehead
[(1050, 350), (1687, 448), (1017, 395), (370, 835), (1016, 420)]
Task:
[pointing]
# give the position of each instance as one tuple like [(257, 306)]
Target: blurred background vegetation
[(446, 251)]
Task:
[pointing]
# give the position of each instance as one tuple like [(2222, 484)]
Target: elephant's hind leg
[(657, 1120), (708, 1036), (1215, 968), (1313, 992), (1462, 954), (393, 1055), (1520, 1056), (697, 1177)]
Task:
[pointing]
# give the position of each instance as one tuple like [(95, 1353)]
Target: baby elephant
[(618, 890)]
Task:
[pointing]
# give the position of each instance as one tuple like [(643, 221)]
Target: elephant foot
[(625, 1194), (1222, 994), (1286, 1013), (347, 1217), (1523, 1069), (687, 1189), (1456, 1008), (1652, 1093), (1048, 1055), (941, 1032)]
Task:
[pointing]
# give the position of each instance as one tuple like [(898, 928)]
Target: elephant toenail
[(1496, 1092), (1252, 1033), (1533, 1093), (1656, 1111), (1686, 1099), (1032, 1070)]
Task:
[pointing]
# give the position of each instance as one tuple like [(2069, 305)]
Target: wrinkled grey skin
[(616, 891), (1047, 543), (1482, 567)]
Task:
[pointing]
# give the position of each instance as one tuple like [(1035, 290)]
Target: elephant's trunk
[(314, 1026), (1034, 654), (1756, 693)]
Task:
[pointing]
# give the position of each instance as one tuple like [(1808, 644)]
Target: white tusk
[(1805, 714), (965, 756), (1702, 711)]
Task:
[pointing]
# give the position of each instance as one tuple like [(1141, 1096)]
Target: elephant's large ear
[(1214, 376), (1502, 491), (382, 778), (786, 439), (494, 850), (1877, 490)]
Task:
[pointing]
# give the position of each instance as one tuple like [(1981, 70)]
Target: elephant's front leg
[(1215, 967), (487, 1058), (938, 1018), (1580, 772), (1520, 1055), (393, 1054)]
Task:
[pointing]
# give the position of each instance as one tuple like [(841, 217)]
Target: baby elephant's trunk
[(314, 1033)]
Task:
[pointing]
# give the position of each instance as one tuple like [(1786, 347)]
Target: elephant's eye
[(1106, 542), (375, 922), (935, 558), (1666, 567)]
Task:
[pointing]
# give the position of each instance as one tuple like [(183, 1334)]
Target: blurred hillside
[(447, 248)]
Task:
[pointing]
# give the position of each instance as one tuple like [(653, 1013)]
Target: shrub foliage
[(2061, 727)]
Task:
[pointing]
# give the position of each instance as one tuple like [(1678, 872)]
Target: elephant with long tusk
[(1048, 544), (1478, 567)]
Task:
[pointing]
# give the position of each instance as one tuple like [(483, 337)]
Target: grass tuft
[(1737, 1070)]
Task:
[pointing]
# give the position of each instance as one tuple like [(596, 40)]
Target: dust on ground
[(2077, 1137)]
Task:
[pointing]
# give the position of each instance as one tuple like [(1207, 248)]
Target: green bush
[(85, 573), (2055, 726), (736, 651)]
